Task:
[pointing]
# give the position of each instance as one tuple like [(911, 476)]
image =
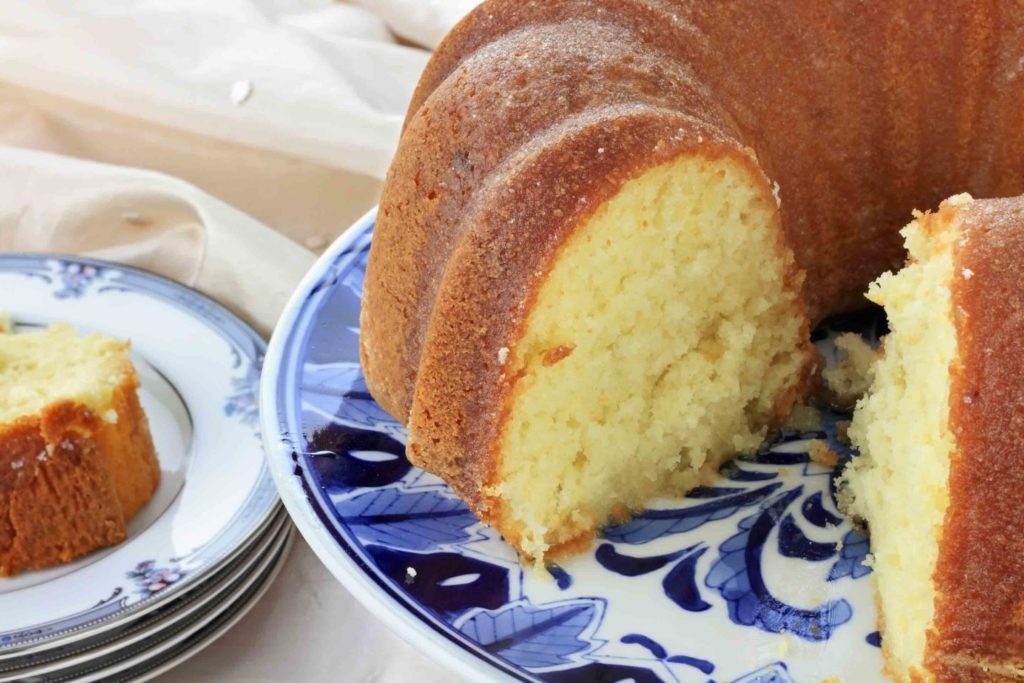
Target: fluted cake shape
[(801, 133)]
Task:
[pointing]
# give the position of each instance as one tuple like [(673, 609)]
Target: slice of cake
[(564, 389), (941, 432), (76, 456)]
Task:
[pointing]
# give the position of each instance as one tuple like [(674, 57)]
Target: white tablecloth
[(271, 123)]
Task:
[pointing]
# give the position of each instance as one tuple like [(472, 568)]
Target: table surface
[(308, 628)]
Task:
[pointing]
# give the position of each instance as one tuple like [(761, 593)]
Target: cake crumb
[(843, 432), (241, 91), (410, 574), (852, 375), (315, 242), (503, 355), (557, 354), (804, 418), (822, 454)]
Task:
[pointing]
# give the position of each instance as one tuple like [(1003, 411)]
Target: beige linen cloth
[(221, 144)]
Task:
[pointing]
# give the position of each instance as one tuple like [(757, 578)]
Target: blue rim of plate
[(279, 416), (324, 499), (74, 274)]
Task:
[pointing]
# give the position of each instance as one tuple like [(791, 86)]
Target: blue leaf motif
[(535, 637), (680, 584), (737, 576), (340, 389), (600, 672), (653, 524), (734, 472), (411, 520), (334, 452), (447, 582), (627, 565), (562, 578), (659, 652), (813, 510), (793, 542), (851, 557), (773, 673)]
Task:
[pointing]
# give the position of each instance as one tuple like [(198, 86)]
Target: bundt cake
[(76, 457), (941, 436), (610, 225)]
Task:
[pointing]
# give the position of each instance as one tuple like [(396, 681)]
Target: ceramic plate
[(186, 637), (755, 578), (204, 598), (199, 367)]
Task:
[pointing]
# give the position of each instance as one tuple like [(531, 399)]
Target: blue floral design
[(706, 556), (76, 278), (737, 576), (150, 579), (242, 403), (70, 281), (535, 637)]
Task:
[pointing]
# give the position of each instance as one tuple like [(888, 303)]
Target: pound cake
[(941, 435), (610, 225), (76, 456)]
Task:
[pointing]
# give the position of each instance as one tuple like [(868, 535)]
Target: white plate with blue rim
[(199, 368), (754, 578), (200, 604), (125, 658)]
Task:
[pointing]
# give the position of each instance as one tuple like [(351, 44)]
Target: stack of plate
[(213, 537)]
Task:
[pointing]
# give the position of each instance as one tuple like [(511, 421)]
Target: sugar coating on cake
[(663, 341), (77, 460), (532, 115), (899, 484)]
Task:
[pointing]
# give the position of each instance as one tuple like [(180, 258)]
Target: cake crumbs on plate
[(822, 454), (804, 418)]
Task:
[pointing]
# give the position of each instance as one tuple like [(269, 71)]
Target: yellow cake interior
[(38, 368), (898, 485), (659, 345)]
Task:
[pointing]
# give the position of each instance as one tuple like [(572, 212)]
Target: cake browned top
[(856, 112)]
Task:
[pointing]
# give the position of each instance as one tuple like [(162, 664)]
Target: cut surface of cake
[(534, 306), (942, 453), (76, 457), (639, 363)]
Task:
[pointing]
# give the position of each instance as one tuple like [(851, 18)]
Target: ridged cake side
[(852, 113), (979, 609)]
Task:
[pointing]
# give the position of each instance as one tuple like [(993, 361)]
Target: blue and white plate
[(199, 367), (756, 578)]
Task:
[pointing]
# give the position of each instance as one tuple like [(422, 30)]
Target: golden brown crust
[(533, 112), (70, 481), (979, 617)]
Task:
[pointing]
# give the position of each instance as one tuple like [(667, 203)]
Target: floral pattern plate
[(755, 578), (199, 367)]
